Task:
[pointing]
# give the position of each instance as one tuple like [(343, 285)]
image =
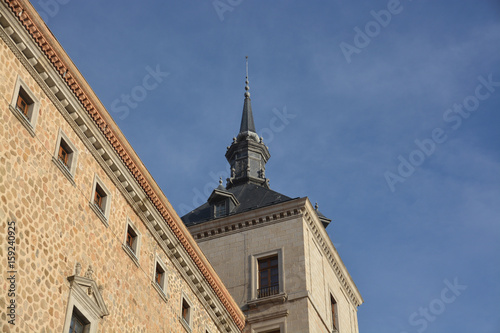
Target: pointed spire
[(247, 124), (247, 155)]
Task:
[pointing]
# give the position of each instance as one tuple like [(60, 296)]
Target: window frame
[(186, 323), (103, 210), (28, 117), (334, 313), (65, 143), (269, 276), (133, 251), (254, 271), (91, 309), (221, 204), (276, 324), (85, 323), (162, 287)]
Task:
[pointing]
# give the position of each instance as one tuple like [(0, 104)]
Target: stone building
[(89, 243), (272, 251)]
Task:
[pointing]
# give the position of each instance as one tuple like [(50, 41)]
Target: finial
[(247, 88), (220, 180), (316, 206), (78, 268), (89, 272)]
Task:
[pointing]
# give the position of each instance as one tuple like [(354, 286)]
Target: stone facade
[(310, 268), (63, 244)]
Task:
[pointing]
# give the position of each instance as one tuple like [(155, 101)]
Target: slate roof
[(250, 196), (247, 123)]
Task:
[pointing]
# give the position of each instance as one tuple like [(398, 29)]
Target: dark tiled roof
[(250, 196)]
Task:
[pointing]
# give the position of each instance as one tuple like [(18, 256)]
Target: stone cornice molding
[(330, 252), (123, 158), (255, 218)]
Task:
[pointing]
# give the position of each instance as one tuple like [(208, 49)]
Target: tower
[(272, 251), (247, 154)]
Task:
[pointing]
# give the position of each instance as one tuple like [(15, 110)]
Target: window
[(86, 306), (65, 156), (131, 242), (22, 103), (159, 276), (159, 281), (268, 277), (185, 311), (25, 106), (98, 197), (185, 315), (131, 239), (220, 209), (78, 324), (101, 200), (335, 324)]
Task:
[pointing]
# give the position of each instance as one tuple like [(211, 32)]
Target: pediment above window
[(88, 293)]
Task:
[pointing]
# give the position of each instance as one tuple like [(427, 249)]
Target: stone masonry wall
[(56, 228)]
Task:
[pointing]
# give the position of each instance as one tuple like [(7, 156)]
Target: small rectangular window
[(132, 242), (25, 106), (99, 196), (334, 313), (101, 200), (65, 156), (159, 276), (159, 279), (220, 209), (268, 277), (131, 239), (185, 311), (185, 315)]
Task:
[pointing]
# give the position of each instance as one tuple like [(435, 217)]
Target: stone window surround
[(254, 273), (79, 299), (69, 171), (331, 295), (186, 324), (162, 289), (269, 326), (104, 213), (33, 110), (132, 253), (74, 303)]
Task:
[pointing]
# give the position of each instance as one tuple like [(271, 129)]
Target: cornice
[(247, 220), (330, 252), (109, 132)]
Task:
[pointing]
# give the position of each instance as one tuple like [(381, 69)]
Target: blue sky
[(390, 125)]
